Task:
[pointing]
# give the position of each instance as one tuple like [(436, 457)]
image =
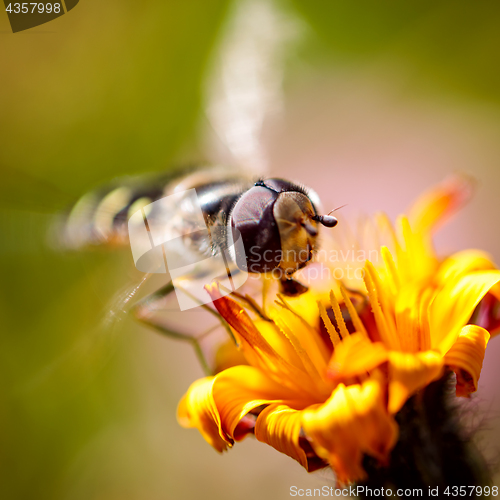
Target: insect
[(276, 221)]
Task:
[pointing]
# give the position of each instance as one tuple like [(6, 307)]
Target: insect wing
[(171, 235)]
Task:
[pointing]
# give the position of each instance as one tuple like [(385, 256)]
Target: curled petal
[(487, 313), (495, 291), (462, 263), (352, 422), (354, 356), (216, 405), (453, 306), (409, 372), (240, 389), (197, 409), (466, 358), (279, 426)]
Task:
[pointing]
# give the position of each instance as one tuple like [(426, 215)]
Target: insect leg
[(291, 287), (144, 312), (248, 301)]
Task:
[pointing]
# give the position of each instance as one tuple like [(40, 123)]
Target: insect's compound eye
[(253, 217)]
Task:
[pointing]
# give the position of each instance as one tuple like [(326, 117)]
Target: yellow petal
[(354, 356), (240, 389), (228, 355), (407, 314), (216, 405), (305, 305), (418, 261), (197, 409), (439, 203), (453, 306), (278, 341), (257, 350), (462, 263), (305, 339), (409, 372), (466, 358), (383, 315), (353, 422), (279, 426)]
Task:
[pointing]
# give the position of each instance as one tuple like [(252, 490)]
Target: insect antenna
[(328, 220), (338, 208)]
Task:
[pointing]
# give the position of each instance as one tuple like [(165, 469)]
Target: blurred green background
[(382, 99)]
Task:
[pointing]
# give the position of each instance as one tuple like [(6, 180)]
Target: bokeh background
[(382, 99)]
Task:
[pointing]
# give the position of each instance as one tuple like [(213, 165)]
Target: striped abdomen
[(101, 217)]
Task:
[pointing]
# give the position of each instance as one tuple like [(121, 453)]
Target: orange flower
[(422, 307), (331, 399)]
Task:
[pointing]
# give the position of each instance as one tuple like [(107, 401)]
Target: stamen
[(407, 236), (344, 333), (316, 348), (247, 301), (384, 221), (332, 332), (405, 328), (312, 360), (356, 320), (258, 350), (377, 310), (309, 367), (424, 327), (391, 268), (386, 303), (407, 256)]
